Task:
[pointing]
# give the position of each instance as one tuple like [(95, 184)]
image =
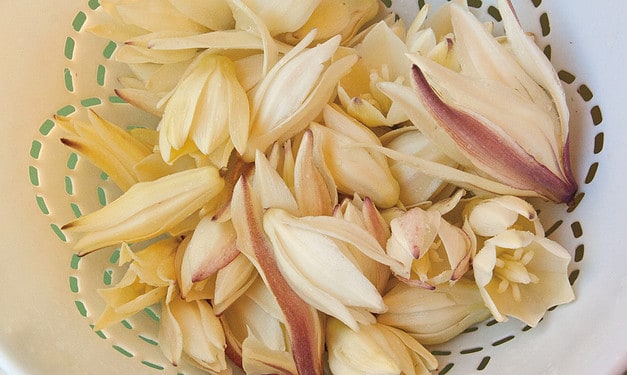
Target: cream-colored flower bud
[(232, 281), (207, 110), (107, 146), (294, 92), (212, 247), (434, 316), (416, 187), (148, 209), (364, 214), (312, 256), (375, 349), (489, 217), (343, 144), (192, 328)]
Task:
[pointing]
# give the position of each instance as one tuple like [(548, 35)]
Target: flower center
[(511, 269)]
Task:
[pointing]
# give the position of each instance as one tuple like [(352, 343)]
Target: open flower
[(382, 59), (145, 283), (376, 349), (431, 250), (522, 275), (503, 115)]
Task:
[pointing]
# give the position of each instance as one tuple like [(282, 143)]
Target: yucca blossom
[(503, 115)]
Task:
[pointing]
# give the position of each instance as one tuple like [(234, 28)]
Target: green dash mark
[(149, 340), (106, 277), (109, 49), (76, 210), (100, 75), (115, 256), (69, 187), (502, 341), (116, 100), (475, 3), (79, 21), (579, 253), (67, 78), (484, 363), (46, 127), (585, 92), (104, 176), (89, 102), (388, 3), (597, 116), (99, 333), (35, 149), (102, 197), (58, 232), (544, 24), (75, 261), (93, 4), (72, 161), (494, 12), (126, 324), (152, 314), (73, 284), (565, 76), (33, 174), (81, 308), (124, 352), (576, 229), (153, 365), (69, 48), (42, 205), (471, 350), (66, 111), (446, 369)]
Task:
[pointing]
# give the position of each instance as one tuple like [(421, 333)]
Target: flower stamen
[(510, 268)]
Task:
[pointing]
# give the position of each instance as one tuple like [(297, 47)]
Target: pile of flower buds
[(326, 183)]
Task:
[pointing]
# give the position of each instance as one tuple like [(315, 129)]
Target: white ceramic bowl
[(47, 296)]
